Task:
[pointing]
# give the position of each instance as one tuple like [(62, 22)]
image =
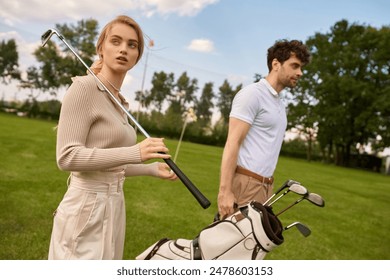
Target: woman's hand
[(153, 148), (164, 172)]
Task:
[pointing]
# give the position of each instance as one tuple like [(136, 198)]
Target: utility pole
[(150, 45)]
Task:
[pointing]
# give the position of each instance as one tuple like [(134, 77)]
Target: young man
[(256, 129)]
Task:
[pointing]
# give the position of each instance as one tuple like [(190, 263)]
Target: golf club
[(203, 201), (314, 198), (305, 230), (295, 188), (286, 184)]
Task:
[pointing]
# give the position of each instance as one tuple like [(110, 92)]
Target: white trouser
[(90, 221)]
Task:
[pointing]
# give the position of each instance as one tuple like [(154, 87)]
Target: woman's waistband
[(97, 181)]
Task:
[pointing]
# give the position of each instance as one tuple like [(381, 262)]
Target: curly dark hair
[(283, 49)]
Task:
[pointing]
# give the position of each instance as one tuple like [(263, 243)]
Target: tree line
[(341, 104)]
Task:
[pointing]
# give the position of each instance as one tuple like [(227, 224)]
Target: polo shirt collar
[(122, 99), (269, 87)]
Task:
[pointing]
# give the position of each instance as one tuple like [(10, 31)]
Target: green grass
[(353, 225)]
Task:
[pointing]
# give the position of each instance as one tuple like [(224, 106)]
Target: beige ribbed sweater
[(94, 134)]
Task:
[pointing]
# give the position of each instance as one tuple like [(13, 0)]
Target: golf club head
[(298, 189), (316, 199), (295, 188), (303, 229), (47, 35), (286, 185)]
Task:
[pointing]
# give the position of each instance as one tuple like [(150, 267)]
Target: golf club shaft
[(291, 205), (203, 201), (314, 198), (279, 197), (285, 185)]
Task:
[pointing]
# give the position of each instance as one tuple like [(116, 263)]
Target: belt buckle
[(267, 180)]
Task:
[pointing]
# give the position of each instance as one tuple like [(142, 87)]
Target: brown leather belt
[(264, 180)]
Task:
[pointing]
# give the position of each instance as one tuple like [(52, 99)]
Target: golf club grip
[(203, 201)]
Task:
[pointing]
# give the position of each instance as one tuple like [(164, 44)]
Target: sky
[(211, 40)]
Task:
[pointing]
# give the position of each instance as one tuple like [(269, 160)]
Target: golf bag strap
[(197, 251), (256, 251), (156, 247), (239, 217)]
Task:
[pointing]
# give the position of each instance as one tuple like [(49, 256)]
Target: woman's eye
[(133, 45)]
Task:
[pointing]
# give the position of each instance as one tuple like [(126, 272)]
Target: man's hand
[(225, 203)]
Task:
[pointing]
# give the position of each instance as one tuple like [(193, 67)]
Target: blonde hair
[(98, 64)]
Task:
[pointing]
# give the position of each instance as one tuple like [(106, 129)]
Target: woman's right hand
[(152, 148)]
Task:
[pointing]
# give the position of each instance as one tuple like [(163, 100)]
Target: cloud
[(180, 7), (17, 11), (201, 45), (20, 14)]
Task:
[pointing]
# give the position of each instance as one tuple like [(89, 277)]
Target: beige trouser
[(90, 221), (246, 189)]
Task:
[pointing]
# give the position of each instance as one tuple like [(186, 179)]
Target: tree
[(257, 77), (225, 99), (82, 37), (58, 65), (33, 81), (140, 96), (162, 87), (186, 89), (348, 80), (205, 104), (9, 61), (302, 116)]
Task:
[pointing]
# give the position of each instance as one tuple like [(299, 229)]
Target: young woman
[(98, 146)]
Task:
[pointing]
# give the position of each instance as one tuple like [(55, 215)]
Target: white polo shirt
[(260, 105)]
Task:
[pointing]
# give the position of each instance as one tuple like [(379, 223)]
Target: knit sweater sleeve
[(76, 118), (150, 169)]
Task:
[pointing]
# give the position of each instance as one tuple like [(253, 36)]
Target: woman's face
[(120, 48)]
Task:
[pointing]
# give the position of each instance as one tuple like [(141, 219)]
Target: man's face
[(290, 72)]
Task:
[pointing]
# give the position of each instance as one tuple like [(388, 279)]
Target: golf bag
[(247, 234)]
